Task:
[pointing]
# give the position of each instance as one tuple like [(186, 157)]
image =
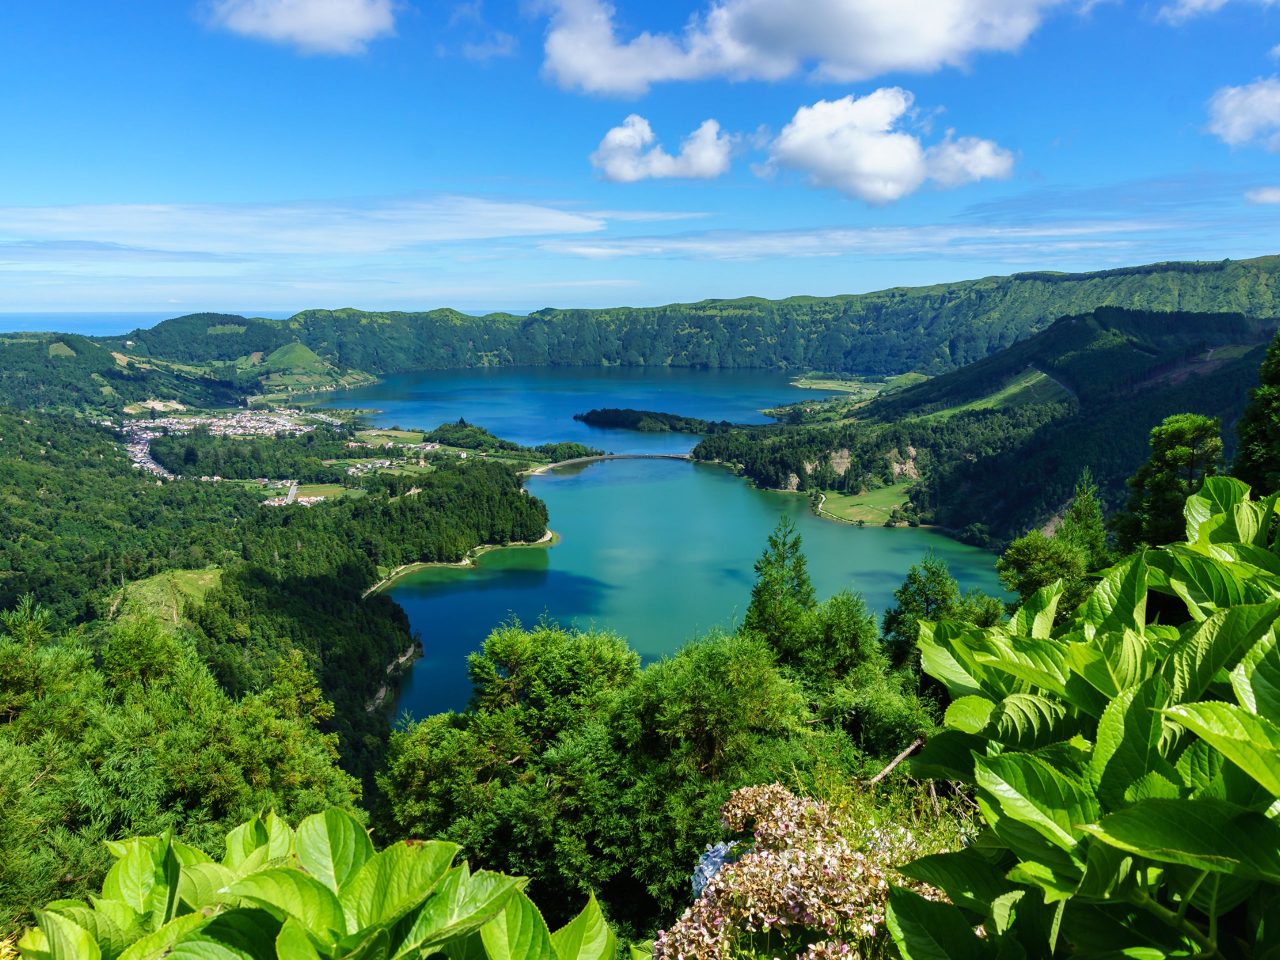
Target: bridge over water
[(609, 456)]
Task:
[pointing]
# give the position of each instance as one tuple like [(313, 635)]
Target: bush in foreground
[(1127, 769), (320, 892)]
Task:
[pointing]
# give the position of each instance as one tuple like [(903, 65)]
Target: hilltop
[(929, 329)]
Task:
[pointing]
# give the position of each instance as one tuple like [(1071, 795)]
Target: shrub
[(1127, 769), (320, 892)]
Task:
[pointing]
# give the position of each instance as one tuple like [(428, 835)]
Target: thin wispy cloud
[(1021, 243), (293, 228)]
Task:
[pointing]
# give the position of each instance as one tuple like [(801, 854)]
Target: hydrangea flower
[(814, 883)]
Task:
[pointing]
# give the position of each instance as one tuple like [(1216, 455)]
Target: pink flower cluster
[(813, 886)]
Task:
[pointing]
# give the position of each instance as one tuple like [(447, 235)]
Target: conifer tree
[(1258, 460)]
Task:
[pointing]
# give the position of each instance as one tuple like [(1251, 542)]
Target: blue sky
[(182, 155)]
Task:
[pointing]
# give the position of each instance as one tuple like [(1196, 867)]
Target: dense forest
[(200, 454), (928, 329), (996, 447), (81, 523)]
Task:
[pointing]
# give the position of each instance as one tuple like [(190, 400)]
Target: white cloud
[(313, 26), (1263, 195), (1180, 11), (1242, 115), (630, 152), (1030, 243), (855, 145), (296, 228), (843, 40)]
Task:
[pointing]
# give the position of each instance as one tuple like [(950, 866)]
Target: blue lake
[(659, 551)]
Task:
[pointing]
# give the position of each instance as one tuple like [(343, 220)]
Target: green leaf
[(1206, 584), (1031, 792), (518, 933), (1250, 742), (642, 951), (286, 892), (243, 842), (1119, 601), (1110, 662), (294, 944), (66, 939), (586, 937), (462, 904), (156, 945), (332, 847), (968, 878), (948, 756), (969, 714), (1208, 834), (243, 934), (279, 837), (1216, 644), (1040, 663), (1256, 678), (1028, 721), (1217, 498), (201, 883), (103, 927), (1128, 743), (938, 661), (928, 930), (1035, 617), (394, 882)]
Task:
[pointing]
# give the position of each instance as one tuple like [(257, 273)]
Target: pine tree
[(1258, 460), (783, 593), (1185, 449)]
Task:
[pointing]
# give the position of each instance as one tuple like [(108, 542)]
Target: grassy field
[(1031, 386), (873, 507), (164, 595), (390, 436), (330, 491)]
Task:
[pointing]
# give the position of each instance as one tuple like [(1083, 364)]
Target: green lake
[(659, 551)]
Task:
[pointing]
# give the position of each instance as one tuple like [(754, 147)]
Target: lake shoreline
[(548, 539)]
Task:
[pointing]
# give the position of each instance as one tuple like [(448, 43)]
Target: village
[(138, 433)]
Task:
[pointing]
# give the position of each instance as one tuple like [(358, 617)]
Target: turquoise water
[(659, 551), (533, 405)]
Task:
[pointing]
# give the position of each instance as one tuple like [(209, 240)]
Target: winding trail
[(607, 456)]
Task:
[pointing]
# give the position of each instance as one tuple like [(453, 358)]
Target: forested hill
[(931, 329), (994, 449)]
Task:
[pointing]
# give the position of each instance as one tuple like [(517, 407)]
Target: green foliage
[(648, 421), (581, 771), (783, 592), (470, 437), (1185, 449), (1258, 460), (68, 372), (320, 892), (929, 592), (123, 731), (1076, 548), (1124, 764), (284, 457)]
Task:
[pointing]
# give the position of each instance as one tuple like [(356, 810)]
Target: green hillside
[(931, 329), (994, 448), (65, 371)]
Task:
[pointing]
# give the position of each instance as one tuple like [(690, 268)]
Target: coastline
[(548, 539)]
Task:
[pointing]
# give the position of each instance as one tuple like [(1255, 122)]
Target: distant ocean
[(100, 324)]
